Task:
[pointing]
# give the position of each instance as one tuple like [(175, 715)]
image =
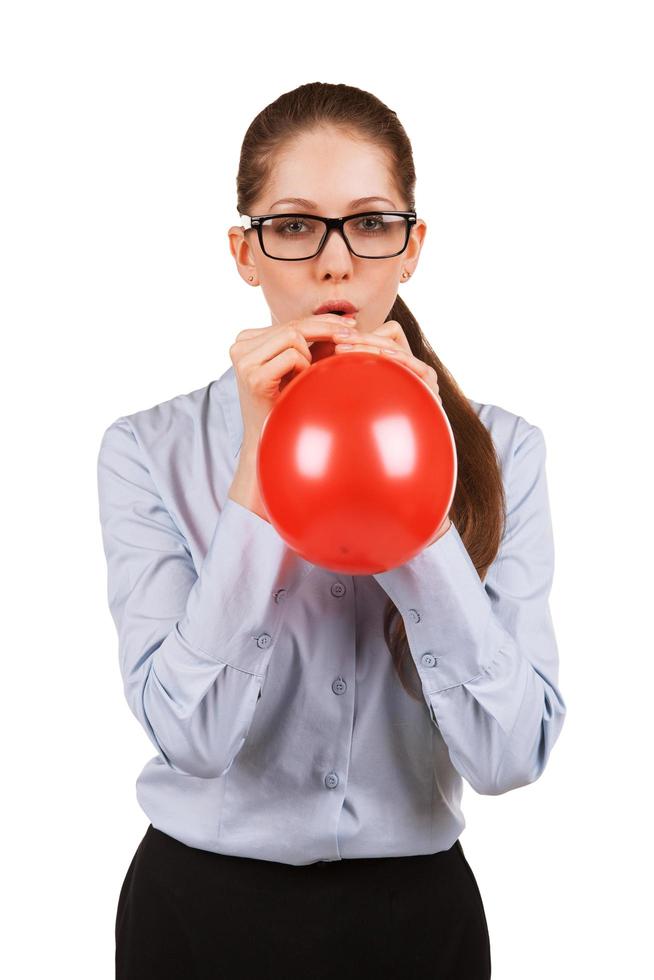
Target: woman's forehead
[(311, 205)]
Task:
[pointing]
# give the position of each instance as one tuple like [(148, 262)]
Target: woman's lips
[(334, 305)]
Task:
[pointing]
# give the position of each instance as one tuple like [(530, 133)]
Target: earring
[(250, 278), (405, 274)]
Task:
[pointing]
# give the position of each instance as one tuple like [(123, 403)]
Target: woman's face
[(333, 171)]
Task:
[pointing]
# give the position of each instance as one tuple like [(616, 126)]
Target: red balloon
[(357, 464)]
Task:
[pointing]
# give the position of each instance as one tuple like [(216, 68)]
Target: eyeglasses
[(367, 234)]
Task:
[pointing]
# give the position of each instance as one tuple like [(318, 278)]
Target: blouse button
[(415, 615), (331, 780), (280, 595), (338, 589), (339, 686), (429, 660), (264, 640)]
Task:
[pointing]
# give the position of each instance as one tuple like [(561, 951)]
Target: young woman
[(313, 730)]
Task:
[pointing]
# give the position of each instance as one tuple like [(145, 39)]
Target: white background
[(531, 125)]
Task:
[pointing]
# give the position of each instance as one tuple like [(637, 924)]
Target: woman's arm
[(193, 647), (486, 653)]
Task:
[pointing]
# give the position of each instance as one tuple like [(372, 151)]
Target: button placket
[(339, 685)]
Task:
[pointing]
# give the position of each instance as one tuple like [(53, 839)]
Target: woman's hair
[(479, 507)]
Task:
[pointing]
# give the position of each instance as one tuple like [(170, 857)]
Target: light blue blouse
[(264, 682)]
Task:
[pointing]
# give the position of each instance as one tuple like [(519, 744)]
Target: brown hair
[(479, 507)]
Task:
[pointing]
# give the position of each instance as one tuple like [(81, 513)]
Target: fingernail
[(389, 350), (349, 319), (343, 333), (343, 346)]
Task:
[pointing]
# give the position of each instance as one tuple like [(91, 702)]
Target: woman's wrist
[(245, 484)]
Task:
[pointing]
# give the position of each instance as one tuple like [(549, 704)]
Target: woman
[(313, 729)]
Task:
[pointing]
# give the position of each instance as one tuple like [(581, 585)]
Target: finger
[(267, 346), (261, 346), (318, 325), (397, 334), (372, 347), (392, 329), (370, 341), (279, 370)]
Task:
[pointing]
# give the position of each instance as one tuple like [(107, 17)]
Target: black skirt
[(190, 914)]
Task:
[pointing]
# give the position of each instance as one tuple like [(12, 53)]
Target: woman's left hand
[(389, 340)]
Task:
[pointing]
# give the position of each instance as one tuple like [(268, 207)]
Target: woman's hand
[(265, 359), (389, 339)]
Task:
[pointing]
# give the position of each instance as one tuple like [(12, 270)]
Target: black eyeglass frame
[(256, 223)]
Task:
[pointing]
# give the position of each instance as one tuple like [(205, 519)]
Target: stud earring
[(405, 274), (250, 278)]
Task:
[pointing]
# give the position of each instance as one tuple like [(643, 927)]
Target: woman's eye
[(291, 227), (371, 224)]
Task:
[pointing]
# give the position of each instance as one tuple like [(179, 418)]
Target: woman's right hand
[(266, 359)]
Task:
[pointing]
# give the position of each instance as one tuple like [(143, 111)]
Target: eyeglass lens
[(370, 236)]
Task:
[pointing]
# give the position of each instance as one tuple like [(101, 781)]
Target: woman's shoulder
[(181, 414), (508, 430), (193, 422)]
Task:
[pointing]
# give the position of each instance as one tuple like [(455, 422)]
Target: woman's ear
[(243, 255)]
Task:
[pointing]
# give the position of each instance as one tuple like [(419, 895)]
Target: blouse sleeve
[(486, 653), (194, 645)]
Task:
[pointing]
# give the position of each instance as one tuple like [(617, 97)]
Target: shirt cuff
[(234, 610), (446, 610)]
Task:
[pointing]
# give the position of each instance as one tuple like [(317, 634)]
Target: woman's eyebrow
[(302, 202)]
